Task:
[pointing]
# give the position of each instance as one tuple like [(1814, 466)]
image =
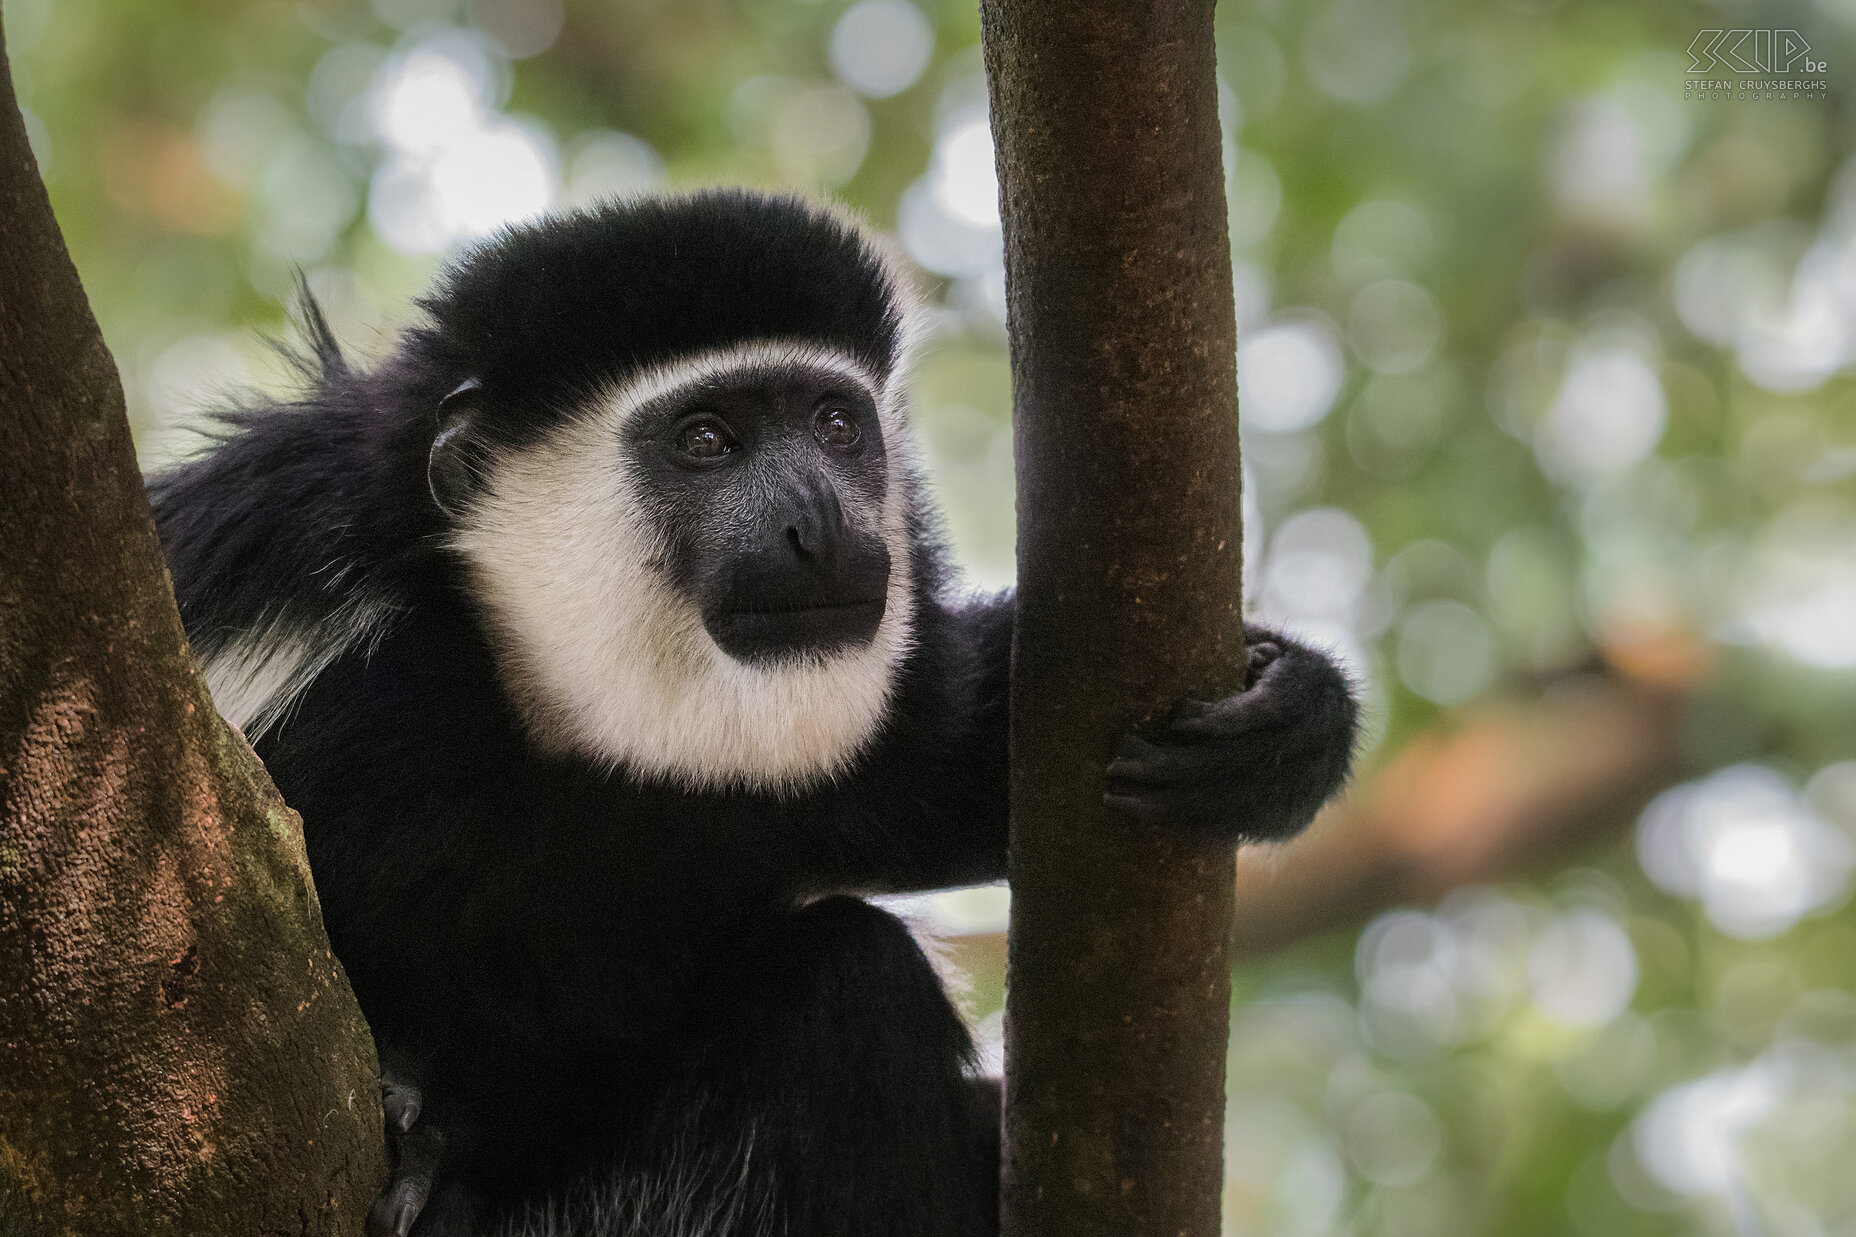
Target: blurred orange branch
[(1466, 803)]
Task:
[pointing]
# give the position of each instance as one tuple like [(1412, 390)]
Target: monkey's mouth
[(808, 607), (772, 631)]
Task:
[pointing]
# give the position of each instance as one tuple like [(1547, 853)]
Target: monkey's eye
[(705, 440), (836, 427)]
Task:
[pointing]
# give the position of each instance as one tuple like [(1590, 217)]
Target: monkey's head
[(674, 458)]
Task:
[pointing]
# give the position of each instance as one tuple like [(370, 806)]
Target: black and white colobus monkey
[(605, 640)]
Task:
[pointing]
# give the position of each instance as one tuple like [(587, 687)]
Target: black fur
[(615, 1002)]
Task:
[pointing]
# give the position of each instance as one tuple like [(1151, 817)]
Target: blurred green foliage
[(1548, 357)]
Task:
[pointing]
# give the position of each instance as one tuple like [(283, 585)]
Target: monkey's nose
[(808, 549), (815, 527)]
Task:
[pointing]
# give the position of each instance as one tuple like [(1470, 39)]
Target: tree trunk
[(180, 1051), (1118, 277)]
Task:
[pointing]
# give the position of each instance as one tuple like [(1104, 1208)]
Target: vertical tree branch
[(1124, 360), (179, 1052)]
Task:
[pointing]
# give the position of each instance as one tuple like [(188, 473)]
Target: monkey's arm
[(1254, 766)]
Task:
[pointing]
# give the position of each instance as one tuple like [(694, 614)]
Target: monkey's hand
[(417, 1150), (1256, 766)]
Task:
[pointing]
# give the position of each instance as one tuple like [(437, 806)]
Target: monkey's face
[(704, 572), (767, 486)]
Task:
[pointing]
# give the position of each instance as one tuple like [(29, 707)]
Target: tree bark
[(1123, 333), (180, 1051)]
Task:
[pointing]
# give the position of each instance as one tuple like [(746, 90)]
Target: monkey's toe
[(402, 1103), (398, 1207), (417, 1152)]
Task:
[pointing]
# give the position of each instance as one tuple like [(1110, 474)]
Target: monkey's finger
[(1138, 772), (1270, 700), (1135, 749), (1185, 807), (1139, 806), (398, 1207), (1224, 720)]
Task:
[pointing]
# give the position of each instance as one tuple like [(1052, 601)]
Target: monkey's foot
[(417, 1151), (1257, 765)]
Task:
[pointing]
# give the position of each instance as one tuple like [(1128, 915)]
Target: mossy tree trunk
[(1123, 333), (179, 1051)]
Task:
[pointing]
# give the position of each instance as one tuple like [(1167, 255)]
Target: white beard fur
[(607, 661)]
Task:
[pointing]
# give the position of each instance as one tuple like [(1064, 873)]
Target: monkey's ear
[(455, 470)]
